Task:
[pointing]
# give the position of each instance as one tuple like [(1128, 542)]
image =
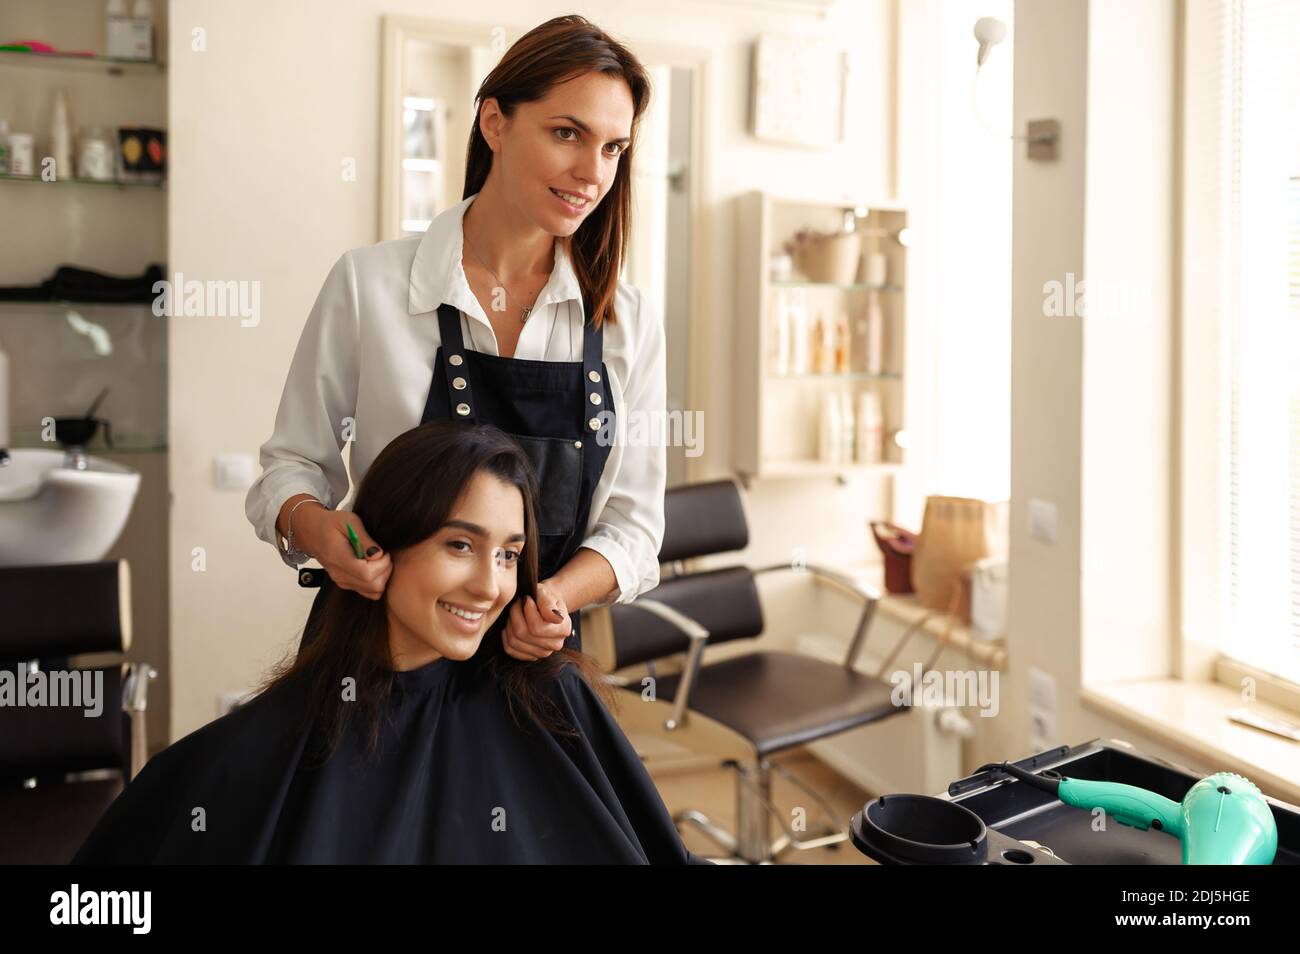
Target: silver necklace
[(524, 310)]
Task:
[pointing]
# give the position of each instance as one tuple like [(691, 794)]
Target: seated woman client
[(400, 733)]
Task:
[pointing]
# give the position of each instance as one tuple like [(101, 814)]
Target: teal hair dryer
[(1222, 820)]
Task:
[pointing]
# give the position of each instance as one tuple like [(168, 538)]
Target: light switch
[(1042, 520), (234, 471)]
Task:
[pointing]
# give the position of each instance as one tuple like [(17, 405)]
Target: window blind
[(1242, 136)]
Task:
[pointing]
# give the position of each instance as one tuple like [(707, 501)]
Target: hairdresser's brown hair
[(550, 54), (406, 496)]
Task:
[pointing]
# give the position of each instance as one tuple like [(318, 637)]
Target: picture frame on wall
[(798, 90)]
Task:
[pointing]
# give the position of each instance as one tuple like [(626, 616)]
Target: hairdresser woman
[(509, 311)]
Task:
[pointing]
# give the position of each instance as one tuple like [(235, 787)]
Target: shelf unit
[(777, 415), (59, 341), (111, 65), (159, 186)]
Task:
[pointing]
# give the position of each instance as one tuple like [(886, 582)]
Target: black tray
[(1015, 813)]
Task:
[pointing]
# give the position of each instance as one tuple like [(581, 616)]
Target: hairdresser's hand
[(537, 628), (323, 534)]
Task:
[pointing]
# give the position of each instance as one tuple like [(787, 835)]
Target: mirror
[(431, 71)]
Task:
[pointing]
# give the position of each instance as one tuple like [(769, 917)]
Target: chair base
[(752, 842)]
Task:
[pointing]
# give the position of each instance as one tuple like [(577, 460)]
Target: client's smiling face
[(445, 592)]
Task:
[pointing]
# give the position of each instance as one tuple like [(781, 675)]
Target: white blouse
[(364, 363)]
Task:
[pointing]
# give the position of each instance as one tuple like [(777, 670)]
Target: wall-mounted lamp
[(1042, 134)]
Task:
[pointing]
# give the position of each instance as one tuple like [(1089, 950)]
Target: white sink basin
[(50, 513)]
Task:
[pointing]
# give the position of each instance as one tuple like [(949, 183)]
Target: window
[(960, 291), (1241, 331)]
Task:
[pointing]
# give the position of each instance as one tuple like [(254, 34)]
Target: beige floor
[(711, 790)]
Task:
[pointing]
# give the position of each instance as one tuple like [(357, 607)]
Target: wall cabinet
[(820, 311)]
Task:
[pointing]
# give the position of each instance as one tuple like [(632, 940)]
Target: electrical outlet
[(1042, 520), (233, 471)]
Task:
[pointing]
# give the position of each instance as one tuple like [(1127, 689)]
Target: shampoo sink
[(54, 513)]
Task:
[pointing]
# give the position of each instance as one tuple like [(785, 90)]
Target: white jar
[(96, 154), (877, 270), (21, 161)]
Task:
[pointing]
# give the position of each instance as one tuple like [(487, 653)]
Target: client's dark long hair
[(406, 497)]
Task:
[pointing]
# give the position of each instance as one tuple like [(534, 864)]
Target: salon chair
[(743, 709), (59, 769)]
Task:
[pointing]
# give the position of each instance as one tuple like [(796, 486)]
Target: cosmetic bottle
[(847, 423), (841, 364), (869, 428), (779, 363), (830, 434), (61, 137), (819, 349), (799, 334), (875, 335)]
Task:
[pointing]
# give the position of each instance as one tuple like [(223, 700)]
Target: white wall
[(260, 124), (1091, 397)]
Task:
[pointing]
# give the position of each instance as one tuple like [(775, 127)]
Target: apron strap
[(593, 340), (460, 396), (460, 393)]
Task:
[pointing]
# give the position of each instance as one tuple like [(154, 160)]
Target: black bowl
[(921, 830)]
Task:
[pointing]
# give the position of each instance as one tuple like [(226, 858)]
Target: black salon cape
[(457, 782)]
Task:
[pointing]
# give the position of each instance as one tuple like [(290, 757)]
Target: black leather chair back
[(699, 520), (49, 613)]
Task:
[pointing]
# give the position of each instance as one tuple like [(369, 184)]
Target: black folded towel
[(83, 285)]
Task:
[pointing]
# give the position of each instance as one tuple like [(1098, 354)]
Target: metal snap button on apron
[(456, 359), (594, 375), (594, 423), (595, 398), (458, 384), (462, 409)]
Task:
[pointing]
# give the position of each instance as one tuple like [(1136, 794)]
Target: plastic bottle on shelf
[(847, 421), (143, 10), (799, 333), (780, 354), (870, 428), (857, 325), (875, 335), (820, 351), (61, 137), (830, 432), (841, 343)]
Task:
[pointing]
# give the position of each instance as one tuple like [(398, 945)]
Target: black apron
[(553, 410)]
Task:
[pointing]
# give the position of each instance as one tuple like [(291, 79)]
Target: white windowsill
[(1192, 717)]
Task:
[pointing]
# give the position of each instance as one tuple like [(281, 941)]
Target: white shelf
[(777, 414)]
